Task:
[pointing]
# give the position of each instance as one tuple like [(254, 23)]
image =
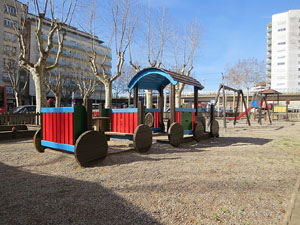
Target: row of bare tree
[(148, 41)]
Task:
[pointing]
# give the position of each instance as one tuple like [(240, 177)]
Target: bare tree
[(184, 54), (18, 79), (123, 27), (245, 73), (157, 35), (55, 83), (57, 27)]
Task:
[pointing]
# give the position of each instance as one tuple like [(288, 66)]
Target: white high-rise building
[(283, 51)]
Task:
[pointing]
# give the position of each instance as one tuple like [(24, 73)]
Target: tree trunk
[(40, 89), (18, 98), (149, 100), (108, 94), (57, 99), (177, 99), (85, 99), (129, 96)]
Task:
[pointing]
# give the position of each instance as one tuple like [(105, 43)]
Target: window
[(281, 57), (280, 84), (11, 50), (298, 83), (10, 10), (281, 43), (281, 63), (10, 36), (298, 69), (282, 29), (9, 23), (298, 76)]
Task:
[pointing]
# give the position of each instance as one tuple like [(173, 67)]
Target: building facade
[(73, 62), (283, 51), (9, 48)]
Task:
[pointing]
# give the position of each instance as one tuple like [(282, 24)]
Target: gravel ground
[(244, 177)]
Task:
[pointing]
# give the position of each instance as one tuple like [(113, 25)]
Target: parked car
[(24, 109)]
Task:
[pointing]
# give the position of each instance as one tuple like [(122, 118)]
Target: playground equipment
[(67, 129), (182, 120), (70, 128)]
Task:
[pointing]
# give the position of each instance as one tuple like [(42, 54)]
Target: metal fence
[(21, 118)]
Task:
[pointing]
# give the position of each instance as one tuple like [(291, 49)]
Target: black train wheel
[(37, 141), (198, 131), (90, 145), (214, 129), (175, 134), (142, 138)]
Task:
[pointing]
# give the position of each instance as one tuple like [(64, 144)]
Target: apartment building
[(74, 60), (9, 49), (283, 51)]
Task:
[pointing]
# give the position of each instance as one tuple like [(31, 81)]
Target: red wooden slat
[(123, 122), (58, 139), (193, 120), (131, 122), (51, 127), (66, 128), (62, 128), (55, 124), (118, 122), (127, 122), (71, 130), (45, 126), (112, 122), (135, 121)]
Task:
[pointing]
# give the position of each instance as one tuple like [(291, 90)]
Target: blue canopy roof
[(154, 78)]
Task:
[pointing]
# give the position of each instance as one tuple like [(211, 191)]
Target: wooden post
[(248, 120), (161, 104), (260, 109), (196, 100), (135, 96), (237, 107), (224, 109), (268, 109), (89, 111), (172, 104), (140, 112), (212, 109)]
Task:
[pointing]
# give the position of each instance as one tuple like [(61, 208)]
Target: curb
[(291, 209)]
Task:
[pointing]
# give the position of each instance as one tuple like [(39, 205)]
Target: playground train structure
[(71, 128)]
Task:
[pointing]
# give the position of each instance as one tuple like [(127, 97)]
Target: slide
[(242, 114)]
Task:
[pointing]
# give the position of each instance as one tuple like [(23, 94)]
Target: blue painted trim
[(152, 110), (156, 129), (188, 132), (69, 148), (127, 137), (147, 72), (130, 110), (185, 110), (58, 110)]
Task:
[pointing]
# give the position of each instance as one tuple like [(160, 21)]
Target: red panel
[(62, 128), (71, 130), (123, 122), (58, 140), (178, 117), (51, 127), (127, 122), (156, 116), (193, 120), (45, 126), (131, 122), (66, 128), (135, 121), (118, 122), (54, 125)]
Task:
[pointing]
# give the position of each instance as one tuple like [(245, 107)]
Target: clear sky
[(232, 30)]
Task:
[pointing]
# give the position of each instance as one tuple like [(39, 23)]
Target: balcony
[(268, 68), (269, 49)]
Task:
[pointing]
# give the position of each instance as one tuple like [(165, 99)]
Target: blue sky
[(232, 30)]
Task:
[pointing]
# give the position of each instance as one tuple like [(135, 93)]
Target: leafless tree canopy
[(245, 73)]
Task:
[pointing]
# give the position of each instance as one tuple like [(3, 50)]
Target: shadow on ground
[(28, 198)]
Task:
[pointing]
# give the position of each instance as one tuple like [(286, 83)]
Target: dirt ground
[(246, 176)]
